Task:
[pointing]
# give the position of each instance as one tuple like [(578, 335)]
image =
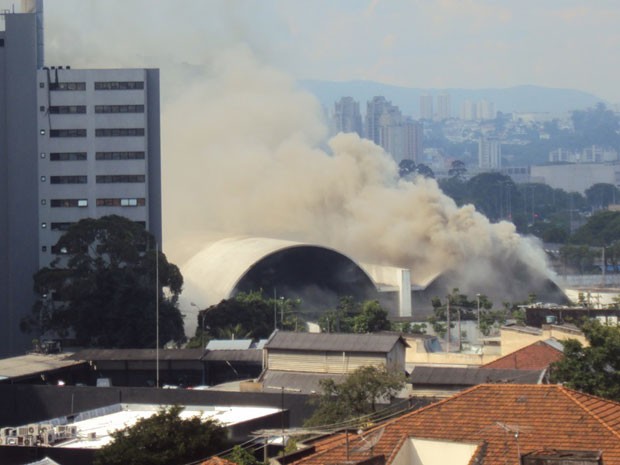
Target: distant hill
[(526, 99)]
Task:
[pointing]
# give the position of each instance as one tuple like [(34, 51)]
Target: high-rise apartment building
[(74, 143), (374, 114), (489, 153), (426, 107), (347, 116), (444, 110)]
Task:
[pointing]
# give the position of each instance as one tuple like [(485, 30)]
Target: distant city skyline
[(434, 44)]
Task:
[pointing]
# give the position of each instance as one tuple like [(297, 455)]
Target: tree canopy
[(249, 315), (355, 317), (356, 396), (101, 288), (163, 439), (594, 369)]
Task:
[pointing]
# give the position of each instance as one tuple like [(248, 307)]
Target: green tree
[(601, 195), (457, 169), (248, 315), (356, 396), (601, 229), (424, 170), (594, 369), (241, 456), (102, 287), (163, 439), (372, 318), (340, 319), (406, 167)]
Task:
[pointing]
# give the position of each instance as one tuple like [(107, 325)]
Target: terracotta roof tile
[(508, 418), (536, 356), (217, 461)]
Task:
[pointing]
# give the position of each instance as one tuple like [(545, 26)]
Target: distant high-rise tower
[(426, 107), (74, 143), (347, 116), (374, 111), (486, 110), (489, 153), (413, 134), (443, 107), (469, 111)]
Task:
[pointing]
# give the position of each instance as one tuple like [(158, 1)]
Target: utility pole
[(448, 328)]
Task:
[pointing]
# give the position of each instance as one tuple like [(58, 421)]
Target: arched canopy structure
[(296, 270)]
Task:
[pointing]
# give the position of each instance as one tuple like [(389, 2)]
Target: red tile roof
[(536, 356), (506, 419), (217, 461)]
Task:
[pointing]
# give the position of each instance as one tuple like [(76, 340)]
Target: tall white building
[(489, 153), (73, 144), (426, 107), (347, 116), (444, 110)]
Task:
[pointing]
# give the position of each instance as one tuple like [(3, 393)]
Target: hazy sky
[(415, 43)]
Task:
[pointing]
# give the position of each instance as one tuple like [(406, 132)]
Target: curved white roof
[(217, 269)]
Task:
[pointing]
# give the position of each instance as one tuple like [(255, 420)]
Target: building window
[(119, 108), (1, 42), (68, 179), (119, 132), (119, 156), (68, 133), (42, 108), (68, 203), (119, 85), (59, 250), (140, 202), (67, 86), (68, 156), (42, 85), (66, 109), (43, 248), (119, 178), (61, 226)]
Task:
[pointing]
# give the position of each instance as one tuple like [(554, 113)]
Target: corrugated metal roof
[(27, 365), (382, 343), (137, 354), (249, 355), (229, 344), (457, 376), (296, 383)]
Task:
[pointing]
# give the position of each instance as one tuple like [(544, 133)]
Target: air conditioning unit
[(33, 429), (22, 431), (29, 441), (45, 427), (4, 432), (92, 435), (49, 438), (72, 431), (11, 441)]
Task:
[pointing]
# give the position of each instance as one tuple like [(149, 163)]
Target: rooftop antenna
[(370, 441)]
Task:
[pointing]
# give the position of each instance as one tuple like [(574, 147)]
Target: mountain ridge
[(526, 98)]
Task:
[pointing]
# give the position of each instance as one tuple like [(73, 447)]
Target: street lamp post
[(202, 326), (157, 314), (478, 302)]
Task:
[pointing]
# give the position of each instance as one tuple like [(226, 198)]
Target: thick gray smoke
[(245, 155), (245, 152)]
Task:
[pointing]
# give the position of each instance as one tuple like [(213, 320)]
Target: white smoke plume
[(245, 151), (245, 154)]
